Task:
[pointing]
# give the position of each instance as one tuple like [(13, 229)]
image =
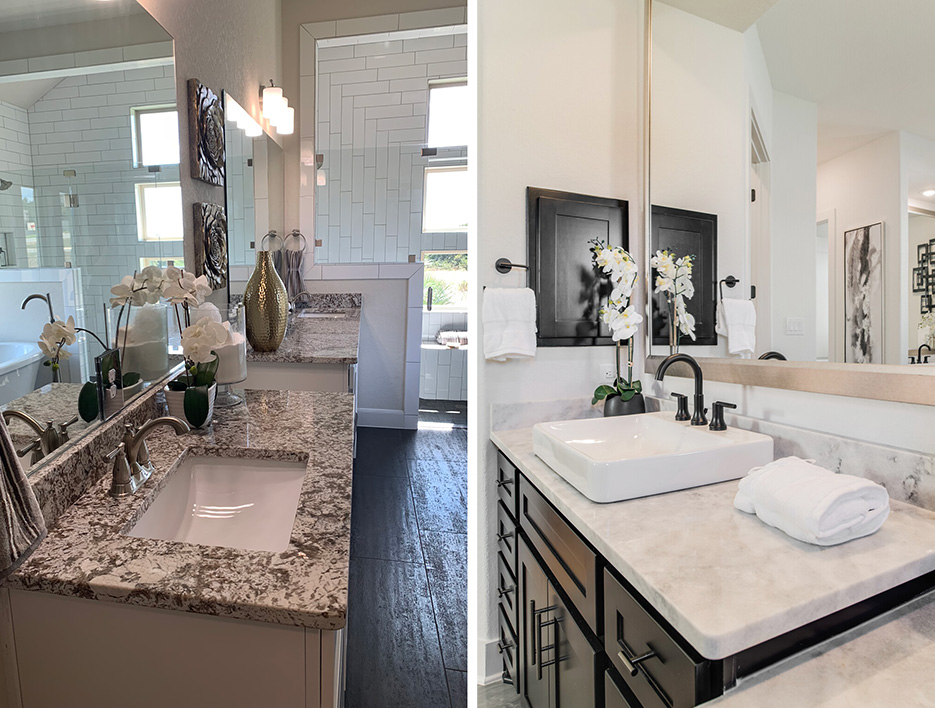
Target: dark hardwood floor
[(407, 604)]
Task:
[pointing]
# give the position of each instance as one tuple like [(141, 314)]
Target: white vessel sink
[(236, 503), (624, 457)]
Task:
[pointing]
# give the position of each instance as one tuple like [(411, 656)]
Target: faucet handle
[(63, 428), (912, 360), (682, 413), (717, 416), (122, 484)]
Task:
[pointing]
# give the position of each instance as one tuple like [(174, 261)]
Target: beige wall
[(299, 12), (227, 46)]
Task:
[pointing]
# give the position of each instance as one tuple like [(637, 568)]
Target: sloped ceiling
[(736, 14)]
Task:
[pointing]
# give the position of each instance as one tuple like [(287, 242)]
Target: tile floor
[(407, 605), (497, 695)]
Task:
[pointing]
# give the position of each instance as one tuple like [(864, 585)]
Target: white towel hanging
[(509, 317)]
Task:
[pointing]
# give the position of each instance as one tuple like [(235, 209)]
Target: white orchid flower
[(58, 331), (684, 319), (127, 292), (201, 338), (186, 288)]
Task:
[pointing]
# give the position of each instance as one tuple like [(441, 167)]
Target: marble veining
[(723, 579), (87, 555), (317, 341), (883, 663)]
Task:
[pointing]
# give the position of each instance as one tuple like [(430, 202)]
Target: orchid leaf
[(602, 392), (205, 373), (88, 405), (196, 405)]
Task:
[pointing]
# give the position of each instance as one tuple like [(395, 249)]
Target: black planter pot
[(614, 405)]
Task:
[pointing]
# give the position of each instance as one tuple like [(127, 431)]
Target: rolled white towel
[(811, 503)]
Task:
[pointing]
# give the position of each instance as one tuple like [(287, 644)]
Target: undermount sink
[(624, 457), (237, 503), (322, 315)]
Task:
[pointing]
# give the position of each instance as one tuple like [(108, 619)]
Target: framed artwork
[(211, 243), (206, 127), (863, 295)]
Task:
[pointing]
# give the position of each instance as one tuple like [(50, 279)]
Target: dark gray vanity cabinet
[(507, 586)]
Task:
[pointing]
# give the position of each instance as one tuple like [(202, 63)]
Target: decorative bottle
[(266, 304)]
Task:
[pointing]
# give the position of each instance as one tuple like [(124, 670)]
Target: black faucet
[(919, 354), (773, 355), (698, 416)]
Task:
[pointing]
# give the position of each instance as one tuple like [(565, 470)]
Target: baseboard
[(381, 418), (490, 662)]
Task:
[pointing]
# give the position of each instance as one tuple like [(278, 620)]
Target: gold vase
[(266, 304)]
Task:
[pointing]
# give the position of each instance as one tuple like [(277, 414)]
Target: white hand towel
[(736, 320), (509, 316), (811, 503)]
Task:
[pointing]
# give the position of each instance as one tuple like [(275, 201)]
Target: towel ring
[(730, 281), (297, 235), (271, 235)]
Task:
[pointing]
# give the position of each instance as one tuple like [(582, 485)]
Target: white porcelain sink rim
[(304, 315), (661, 422), (287, 505)]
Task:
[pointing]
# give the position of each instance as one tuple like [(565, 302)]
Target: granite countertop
[(316, 340), (56, 402), (86, 554), (722, 578), (883, 663)]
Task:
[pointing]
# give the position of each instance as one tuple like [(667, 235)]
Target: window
[(449, 113), (155, 135), (444, 207), (446, 272), (159, 211), (165, 262)]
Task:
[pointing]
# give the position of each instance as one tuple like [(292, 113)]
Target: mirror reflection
[(89, 195), (805, 135)]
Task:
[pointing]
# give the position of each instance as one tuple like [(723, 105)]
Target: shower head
[(5, 184)]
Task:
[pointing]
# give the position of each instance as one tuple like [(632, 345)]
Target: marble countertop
[(722, 578), (883, 663), (317, 341), (86, 554)]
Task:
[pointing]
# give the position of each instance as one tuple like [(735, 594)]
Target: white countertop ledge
[(723, 579)]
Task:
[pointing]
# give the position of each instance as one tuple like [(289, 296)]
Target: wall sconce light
[(276, 109)]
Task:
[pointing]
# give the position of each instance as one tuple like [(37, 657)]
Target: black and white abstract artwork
[(863, 295)]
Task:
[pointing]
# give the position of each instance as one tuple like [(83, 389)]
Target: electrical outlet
[(795, 326), (606, 373)]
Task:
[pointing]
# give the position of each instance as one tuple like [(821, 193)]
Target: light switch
[(795, 326)]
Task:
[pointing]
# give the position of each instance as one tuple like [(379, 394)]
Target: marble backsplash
[(908, 476)]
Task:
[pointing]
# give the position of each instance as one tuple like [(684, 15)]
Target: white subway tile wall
[(443, 374), (15, 167), (84, 124), (372, 126)]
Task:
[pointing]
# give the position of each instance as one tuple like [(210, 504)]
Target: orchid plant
[(619, 314), (674, 278), (53, 340)]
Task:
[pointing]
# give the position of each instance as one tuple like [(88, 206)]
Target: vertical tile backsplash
[(372, 123)]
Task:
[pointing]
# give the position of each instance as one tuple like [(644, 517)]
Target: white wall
[(558, 107), (865, 186), (793, 225)]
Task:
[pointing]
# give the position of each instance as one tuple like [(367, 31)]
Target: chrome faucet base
[(132, 466)]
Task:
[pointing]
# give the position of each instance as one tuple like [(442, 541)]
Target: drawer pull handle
[(503, 646), (633, 665), (504, 536), (505, 591), (504, 482), (537, 645)]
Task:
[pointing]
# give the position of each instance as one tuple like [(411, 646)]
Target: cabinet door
[(576, 661), (535, 677)]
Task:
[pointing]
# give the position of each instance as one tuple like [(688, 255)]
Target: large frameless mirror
[(89, 194)]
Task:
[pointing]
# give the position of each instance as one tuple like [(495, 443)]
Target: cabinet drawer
[(507, 479), (508, 647), (506, 536), (653, 665), (613, 696), (507, 592), (567, 555)]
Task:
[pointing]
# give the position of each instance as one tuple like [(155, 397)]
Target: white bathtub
[(19, 366)]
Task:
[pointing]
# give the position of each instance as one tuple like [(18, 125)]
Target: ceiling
[(20, 15), (866, 63), (25, 93), (736, 14)]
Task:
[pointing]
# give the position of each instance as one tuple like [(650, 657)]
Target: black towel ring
[(730, 281)]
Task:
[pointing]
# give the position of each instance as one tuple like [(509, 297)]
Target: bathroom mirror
[(253, 190), (802, 127), (89, 193)]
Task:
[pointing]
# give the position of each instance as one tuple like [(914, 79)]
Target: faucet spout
[(135, 441), (919, 352), (698, 417), (26, 418), (48, 301)]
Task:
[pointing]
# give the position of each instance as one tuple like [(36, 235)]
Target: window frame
[(425, 196), (440, 83), (138, 189), (137, 141)]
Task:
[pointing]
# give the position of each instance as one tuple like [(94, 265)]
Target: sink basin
[(237, 503), (322, 315), (624, 457)]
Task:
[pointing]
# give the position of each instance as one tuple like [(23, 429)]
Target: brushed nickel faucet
[(132, 466), (48, 301), (49, 439)]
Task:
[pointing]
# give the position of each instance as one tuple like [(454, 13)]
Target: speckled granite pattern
[(317, 341), (87, 556), (320, 302), (722, 578)]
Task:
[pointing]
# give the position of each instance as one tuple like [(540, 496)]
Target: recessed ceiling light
[(929, 193)]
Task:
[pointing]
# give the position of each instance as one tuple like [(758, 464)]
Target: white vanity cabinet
[(64, 651), (287, 376)]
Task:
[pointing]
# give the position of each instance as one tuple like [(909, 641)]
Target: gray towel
[(22, 527)]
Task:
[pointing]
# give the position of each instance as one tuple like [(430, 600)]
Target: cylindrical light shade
[(273, 102), (252, 129), (286, 124), (281, 114)]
